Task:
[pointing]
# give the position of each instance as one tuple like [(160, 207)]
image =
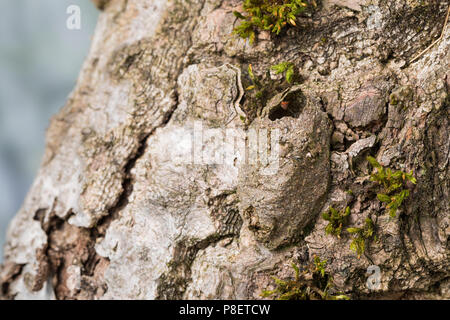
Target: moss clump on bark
[(394, 185), (270, 15), (336, 219), (314, 283)]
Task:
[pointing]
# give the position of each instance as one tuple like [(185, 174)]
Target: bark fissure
[(173, 284)]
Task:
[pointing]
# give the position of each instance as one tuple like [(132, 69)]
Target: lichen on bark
[(112, 216)]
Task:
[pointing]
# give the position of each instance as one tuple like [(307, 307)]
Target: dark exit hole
[(291, 106)]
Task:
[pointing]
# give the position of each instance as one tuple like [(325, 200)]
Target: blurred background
[(40, 59)]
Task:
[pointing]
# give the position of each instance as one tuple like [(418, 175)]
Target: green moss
[(393, 184), (256, 94), (287, 68), (336, 219), (256, 83), (314, 283), (361, 236), (270, 15), (393, 99)]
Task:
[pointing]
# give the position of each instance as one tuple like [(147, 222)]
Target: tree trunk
[(150, 186)]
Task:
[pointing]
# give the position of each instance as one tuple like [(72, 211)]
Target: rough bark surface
[(113, 215)]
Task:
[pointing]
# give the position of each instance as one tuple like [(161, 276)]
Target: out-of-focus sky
[(40, 59)]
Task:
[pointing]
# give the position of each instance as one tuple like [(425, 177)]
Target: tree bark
[(121, 209)]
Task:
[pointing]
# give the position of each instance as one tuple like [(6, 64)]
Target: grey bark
[(111, 216)]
